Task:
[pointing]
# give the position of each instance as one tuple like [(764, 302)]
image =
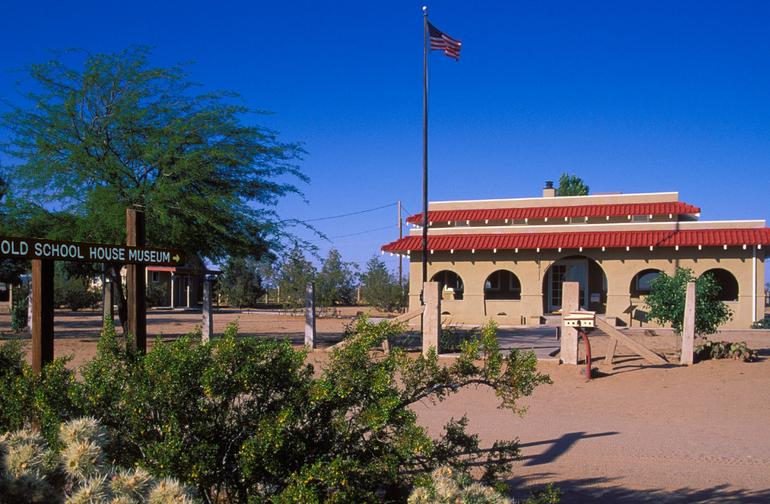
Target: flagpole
[(424, 149)]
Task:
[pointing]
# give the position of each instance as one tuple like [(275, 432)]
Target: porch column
[(173, 290)]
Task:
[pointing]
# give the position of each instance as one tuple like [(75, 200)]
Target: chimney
[(549, 191)]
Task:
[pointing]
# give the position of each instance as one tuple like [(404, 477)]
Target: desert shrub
[(157, 294), (247, 420), (725, 350), (28, 398), (667, 297), (20, 309), (448, 486), (31, 470), (73, 292)]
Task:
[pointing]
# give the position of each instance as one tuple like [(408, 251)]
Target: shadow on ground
[(591, 490)]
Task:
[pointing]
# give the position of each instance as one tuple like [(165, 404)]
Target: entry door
[(567, 270)]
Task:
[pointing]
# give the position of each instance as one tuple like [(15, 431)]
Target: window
[(728, 285), (155, 276), (502, 284), (449, 280), (641, 285)]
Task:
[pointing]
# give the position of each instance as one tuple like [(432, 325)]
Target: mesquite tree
[(99, 133)]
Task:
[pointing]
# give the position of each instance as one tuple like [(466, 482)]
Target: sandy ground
[(639, 434)]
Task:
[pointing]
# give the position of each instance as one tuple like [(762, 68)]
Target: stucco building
[(506, 259)]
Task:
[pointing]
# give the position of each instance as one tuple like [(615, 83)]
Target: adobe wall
[(619, 266)]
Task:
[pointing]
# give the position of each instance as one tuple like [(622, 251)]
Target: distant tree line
[(245, 281)]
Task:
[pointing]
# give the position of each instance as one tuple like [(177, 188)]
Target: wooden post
[(135, 282), (29, 307), (107, 301), (310, 315), (570, 299), (42, 314), (688, 330), (431, 319), (208, 321)]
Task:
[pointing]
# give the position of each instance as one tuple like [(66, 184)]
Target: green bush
[(73, 292), (157, 294), (20, 308), (247, 420), (761, 324), (31, 399), (667, 298)]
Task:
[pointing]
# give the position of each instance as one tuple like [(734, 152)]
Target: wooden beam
[(42, 314), (611, 348), (637, 347), (409, 315), (431, 321), (207, 329), (688, 331), (570, 301), (310, 333), (135, 283)]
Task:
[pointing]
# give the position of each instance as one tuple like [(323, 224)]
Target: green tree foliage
[(667, 296), (115, 131), (248, 420), (380, 288), (571, 185), (294, 273), (99, 133), (335, 283), (241, 282)]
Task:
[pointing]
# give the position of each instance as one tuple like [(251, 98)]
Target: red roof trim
[(591, 240), (662, 208)]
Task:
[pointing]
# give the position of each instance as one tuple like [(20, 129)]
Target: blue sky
[(631, 96)]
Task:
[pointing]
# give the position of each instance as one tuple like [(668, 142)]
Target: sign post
[(42, 313), (310, 334), (135, 283), (43, 253), (207, 329)]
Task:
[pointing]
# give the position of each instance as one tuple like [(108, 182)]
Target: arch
[(579, 268), (641, 283), (451, 284), (727, 282), (502, 284)]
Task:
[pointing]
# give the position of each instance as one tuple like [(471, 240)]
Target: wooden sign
[(34, 248)]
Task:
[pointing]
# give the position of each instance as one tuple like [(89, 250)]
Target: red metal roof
[(661, 208), (595, 239)]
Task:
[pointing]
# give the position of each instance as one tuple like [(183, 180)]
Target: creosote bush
[(248, 420)]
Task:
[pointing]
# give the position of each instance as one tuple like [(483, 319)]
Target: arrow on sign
[(176, 258)]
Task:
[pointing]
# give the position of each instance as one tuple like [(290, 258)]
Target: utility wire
[(349, 214), (362, 232)]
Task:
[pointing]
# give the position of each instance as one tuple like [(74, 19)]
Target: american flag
[(440, 41)]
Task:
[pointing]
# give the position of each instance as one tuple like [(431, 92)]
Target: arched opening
[(727, 283), (502, 284), (641, 284), (451, 284), (581, 269)]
